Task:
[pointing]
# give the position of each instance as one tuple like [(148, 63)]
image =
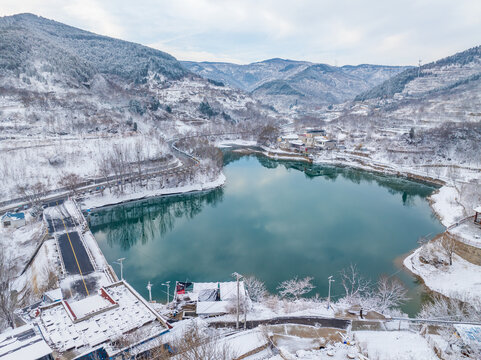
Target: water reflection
[(145, 220), (273, 219)]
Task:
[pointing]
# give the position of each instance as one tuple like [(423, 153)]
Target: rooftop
[(23, 343), (103, 318), (213, 297), (17, 216)]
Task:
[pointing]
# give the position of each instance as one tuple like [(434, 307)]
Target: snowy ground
[(446, 205), (19, 244), (274, 307), (394, 345), (238, 142), (27, 160), (97, 200), (460, 281)]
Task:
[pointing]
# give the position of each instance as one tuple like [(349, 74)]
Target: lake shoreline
[(272, 170)]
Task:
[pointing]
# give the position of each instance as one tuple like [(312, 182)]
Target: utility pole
[(245, 308), (167, 283), (120, 262), (329, 293), (238, 277), (149, 287)]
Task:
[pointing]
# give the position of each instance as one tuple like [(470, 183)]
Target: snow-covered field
[(445, 202), (394, 345), (461, 280)]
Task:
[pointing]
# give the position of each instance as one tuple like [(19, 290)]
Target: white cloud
[(351, 32), (94, 16)]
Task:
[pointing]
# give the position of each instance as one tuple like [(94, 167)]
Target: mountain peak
[(80, 54)]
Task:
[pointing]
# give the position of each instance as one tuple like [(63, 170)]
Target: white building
[(109, 324), (14, 220), (212, 298), (24, 343)]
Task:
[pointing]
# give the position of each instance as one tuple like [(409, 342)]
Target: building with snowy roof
[(14, 220), (470, 336), (24, 342), (107, 325), (210, 298)]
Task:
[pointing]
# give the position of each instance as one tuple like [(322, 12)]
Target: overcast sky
[(336, 32)]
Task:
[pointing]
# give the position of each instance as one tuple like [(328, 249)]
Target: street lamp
[(120, 262), (167, 283), (149, 287), (329, 293)]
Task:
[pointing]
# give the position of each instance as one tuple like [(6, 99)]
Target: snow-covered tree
[(354, 284), (390, 293), (256, 288), (295, 288), (448, 245)]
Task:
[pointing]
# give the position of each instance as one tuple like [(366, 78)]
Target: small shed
[(477, 215), (14, 220)]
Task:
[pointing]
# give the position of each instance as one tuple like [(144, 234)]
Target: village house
[(111, 324), (24, 342), (13, 220), (325, 144), (209, 299)]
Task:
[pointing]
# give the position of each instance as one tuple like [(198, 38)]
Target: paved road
[(57, 224), (311, 320), (74, 255)]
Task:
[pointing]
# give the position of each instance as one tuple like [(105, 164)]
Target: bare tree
[(194, 344), (9, 298), (295, 288), (139, 159), (268, 135), (443, 308), (354, 284), (105, 169), (448, 245), (256, 288), (33, 193), (71, 182), (390, 293)]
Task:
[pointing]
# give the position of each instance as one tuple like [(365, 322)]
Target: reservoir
[(274, 220)]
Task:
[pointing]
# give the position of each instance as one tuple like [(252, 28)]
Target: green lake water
[(274, 220)]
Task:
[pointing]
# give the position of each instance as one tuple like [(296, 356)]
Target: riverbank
[(98, 201), (457, 281)]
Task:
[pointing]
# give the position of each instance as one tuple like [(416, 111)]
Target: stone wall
[(467, 252)]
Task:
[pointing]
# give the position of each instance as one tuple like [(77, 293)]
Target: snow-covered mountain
[(288, 82), (441, 75), (32, 45), (76, 81), (70, 96), (448, 89)]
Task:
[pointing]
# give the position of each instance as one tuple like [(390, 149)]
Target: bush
[(136, 108), (206, 109)]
